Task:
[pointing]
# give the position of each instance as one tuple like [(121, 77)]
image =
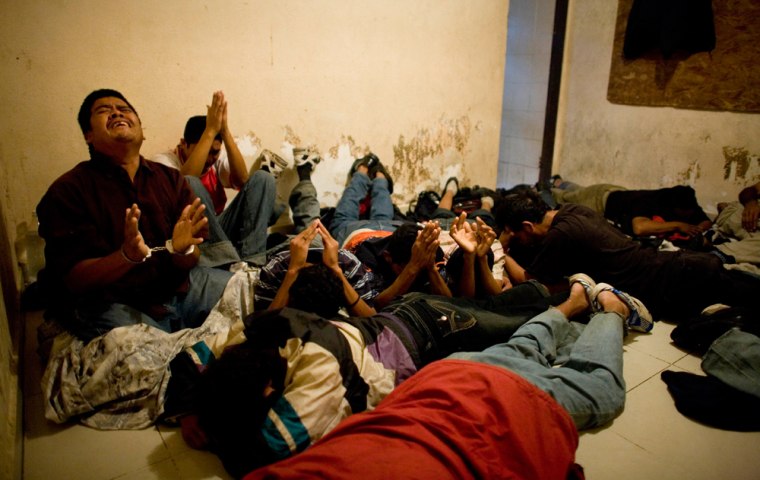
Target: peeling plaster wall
[(418, 82), (718, 153)]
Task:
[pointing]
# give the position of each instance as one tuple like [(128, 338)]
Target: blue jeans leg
[(304, 205), (187, 310), (382, 205), (347, 209), (206, 288), (217, 250), (346, 216), (589, 385), (246, 219), (215, 231)]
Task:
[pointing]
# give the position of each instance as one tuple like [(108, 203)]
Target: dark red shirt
[(82, 216)]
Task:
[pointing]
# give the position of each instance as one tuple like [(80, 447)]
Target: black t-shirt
[(582, 241), (674, 204), (371, 254)]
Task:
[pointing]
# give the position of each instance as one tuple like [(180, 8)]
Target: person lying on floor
[(324, 289), (671, 212), (298, 376), (675, 285)]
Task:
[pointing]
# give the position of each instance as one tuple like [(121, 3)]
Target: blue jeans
[(240, 231), (304, 205), (589, 385), (346, 217), (187, 310)]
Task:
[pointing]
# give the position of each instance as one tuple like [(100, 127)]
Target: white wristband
[(170, 249)]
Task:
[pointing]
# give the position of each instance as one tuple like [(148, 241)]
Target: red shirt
[(454, 419)]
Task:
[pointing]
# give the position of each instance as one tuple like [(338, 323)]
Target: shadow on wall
[(10, 286)]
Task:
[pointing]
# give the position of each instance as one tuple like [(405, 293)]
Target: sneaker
[(639, 319), (304, 156), (588, 285), (449, 182), (274, 163)]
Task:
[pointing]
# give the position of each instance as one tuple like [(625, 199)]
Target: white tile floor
[(649, 440)]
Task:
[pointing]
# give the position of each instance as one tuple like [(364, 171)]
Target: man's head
[(317, 289), (399, 250), (107, 118), (235, 393), (193, 131), (521, 215)]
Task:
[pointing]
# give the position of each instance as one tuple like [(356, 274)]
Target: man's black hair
[(232, 406), (515, 208), (317, 289), (194, 129), (401, 242), (85, 111)]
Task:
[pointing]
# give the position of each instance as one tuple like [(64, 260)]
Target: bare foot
[(576, 303), (611, 303)]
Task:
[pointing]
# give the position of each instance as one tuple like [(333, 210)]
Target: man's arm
[(486, 236), (299, 249), (464, 236), (644, 226), (238, 170), (196, 162), (96, 272), (749, 198), (355, 304), (422, 259)]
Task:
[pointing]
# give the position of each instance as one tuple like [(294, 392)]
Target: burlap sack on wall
[(726, 78)]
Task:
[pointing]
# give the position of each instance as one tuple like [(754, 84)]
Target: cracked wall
[(643, 147)]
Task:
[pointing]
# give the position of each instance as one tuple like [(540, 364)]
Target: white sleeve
[(222, 166), (170, 159)]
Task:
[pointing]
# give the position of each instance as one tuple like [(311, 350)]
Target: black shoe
[(359, 162), (376, 166)]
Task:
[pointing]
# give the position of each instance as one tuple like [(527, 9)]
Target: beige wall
[(419, 82), (717, 153)]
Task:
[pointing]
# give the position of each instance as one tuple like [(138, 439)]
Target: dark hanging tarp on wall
[(692, 54), (669, 26)]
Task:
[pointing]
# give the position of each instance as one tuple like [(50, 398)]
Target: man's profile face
[(524, 236), (213, 153), (112, 121)]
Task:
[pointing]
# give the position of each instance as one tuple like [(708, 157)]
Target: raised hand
[(299, 246), (134, 247), (216, 114), (463, 234), (191, 222), (330, 251), (485, 236), (426, 246)]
